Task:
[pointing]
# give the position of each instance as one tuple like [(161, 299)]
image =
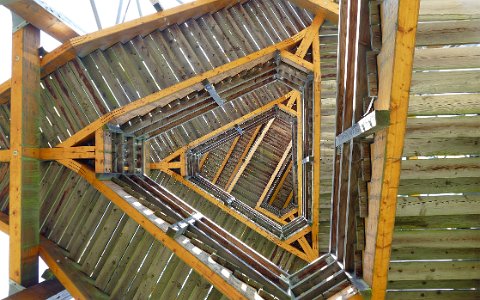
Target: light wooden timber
[(280, 184), (43, 17), (327, 8), (296, 60), (24, 189), (271, 215), (153, 225), (232, 212), (307, 248), (225, 160), (289, 199), (82, 152), (299, 141), (288, 110), (317, 131), (399, 22), (289, 214), (163, 97), (251, 153), (203, 160), (4, 155), (243, 155), (310, 33), (274, 175)]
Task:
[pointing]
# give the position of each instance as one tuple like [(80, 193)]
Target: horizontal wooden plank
[(439, 222), (439, 186), (436, 10), (43, 290), (447, 58), (444, 104), (457, 238), (434, 253), (448, 33), (433, 295), (438, 205), (445, 82), (434, 270), (434, 284), (427, 128), (440, 168), (417, 146)]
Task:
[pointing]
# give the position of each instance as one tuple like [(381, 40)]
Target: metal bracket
[(18, 22), (308, 159), (181, 227), (239, 129), (213, 92)]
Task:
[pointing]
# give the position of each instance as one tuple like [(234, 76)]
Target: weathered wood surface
[(437, 10), (444, 104), (445, 270), (443, 239), (447, 58), (433, 295), (440, 168), (438, 205)]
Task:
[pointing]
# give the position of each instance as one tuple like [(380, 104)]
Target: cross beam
[(44, 18)]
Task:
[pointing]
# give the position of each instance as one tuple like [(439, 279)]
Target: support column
[(24, 171)]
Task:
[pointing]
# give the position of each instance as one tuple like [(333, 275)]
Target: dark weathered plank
[(439, 185), (444, 104), (438, 205), (434, 270), (460, 238), (440, 168)]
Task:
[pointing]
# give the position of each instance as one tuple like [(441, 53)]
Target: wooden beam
[(43, 290), (296, 61), (225, 160), (82, 152), (327, 8), (399, 23), (310, 33), (181, 246), (280, 183), (24, 187), (232, 212), (43, 17), (243, 155), (4, 155), (203, 160), (144, 105), (289, 199), (317, 160), (299, 161), (64, 269), (250, 154), (274, 174)]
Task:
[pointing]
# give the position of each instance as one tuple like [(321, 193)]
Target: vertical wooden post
[(24, 171), (317, 118)]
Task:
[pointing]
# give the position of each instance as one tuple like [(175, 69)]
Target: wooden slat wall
[(122, 260), (436, 244)]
